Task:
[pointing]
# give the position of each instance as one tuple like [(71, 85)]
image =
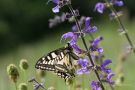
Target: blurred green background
[(25, 34)]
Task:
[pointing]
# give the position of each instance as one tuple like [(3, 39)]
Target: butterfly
[(59, 61)]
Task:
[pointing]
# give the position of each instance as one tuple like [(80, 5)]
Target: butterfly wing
[(59, 61), (64, 68), (48, 61)]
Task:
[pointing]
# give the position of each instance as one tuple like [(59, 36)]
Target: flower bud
[(41, 73), (120, 79), (122, 57), (51, 88), (23, 86), (24, 64), (13, 72), (78, 85)]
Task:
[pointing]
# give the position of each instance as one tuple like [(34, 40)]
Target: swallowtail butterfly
[(59, 61)]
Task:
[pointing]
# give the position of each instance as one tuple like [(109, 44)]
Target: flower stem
[(100, 57), (83, 40), (40, 84), (24, 76), (15, 86), (121, 25), (82, 82)]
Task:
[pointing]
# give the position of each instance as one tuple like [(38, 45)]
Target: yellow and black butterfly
[(59, 61)]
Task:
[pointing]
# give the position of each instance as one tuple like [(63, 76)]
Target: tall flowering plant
[(87, 65)]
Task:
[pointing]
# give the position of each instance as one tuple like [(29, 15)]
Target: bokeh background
[(25, 34)]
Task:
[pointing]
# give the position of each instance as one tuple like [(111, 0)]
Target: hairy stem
[(121, 25), (40, 84), (84, 42)]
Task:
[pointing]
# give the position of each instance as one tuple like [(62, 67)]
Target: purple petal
[(99, 7), (83, 63), (72, 42), (95, 86), (96, 41), (86, 62), (110, 75), (87, 71), (92, 56), (100, 50), (120, 3), (56, 9), (89, 29), (78, 51), (68, 35), (107, 70), (74, 27), (93, 29), (112, 82), (80, 61), (87, 22), (107, 61), (55, 1), (79, 71), (93, 83)]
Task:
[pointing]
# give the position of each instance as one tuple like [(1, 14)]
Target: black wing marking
[(64, 68), (59, 61), (48, 61)]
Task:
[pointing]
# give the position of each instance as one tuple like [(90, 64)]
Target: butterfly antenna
[(60, 40)]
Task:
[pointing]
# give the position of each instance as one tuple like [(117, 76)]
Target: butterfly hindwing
[(64, 68)]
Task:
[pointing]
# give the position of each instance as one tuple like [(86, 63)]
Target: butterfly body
[(59, 61)]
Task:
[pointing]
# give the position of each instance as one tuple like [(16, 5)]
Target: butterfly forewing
[(48, 61)]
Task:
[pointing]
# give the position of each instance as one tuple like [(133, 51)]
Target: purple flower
[(103, 66), (120, 3), (113, 15), (78, 50), (95, 85), (109, 77), (74, 28), (73, 40), (71, 35), (94, 46), (99, 7), (87, 28), (56, 9), (84, 63), (59, 4)]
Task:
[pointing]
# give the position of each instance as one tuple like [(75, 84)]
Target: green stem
[(15, 86), (82, 82), (24, 76), (74, 84), (121, 25)]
